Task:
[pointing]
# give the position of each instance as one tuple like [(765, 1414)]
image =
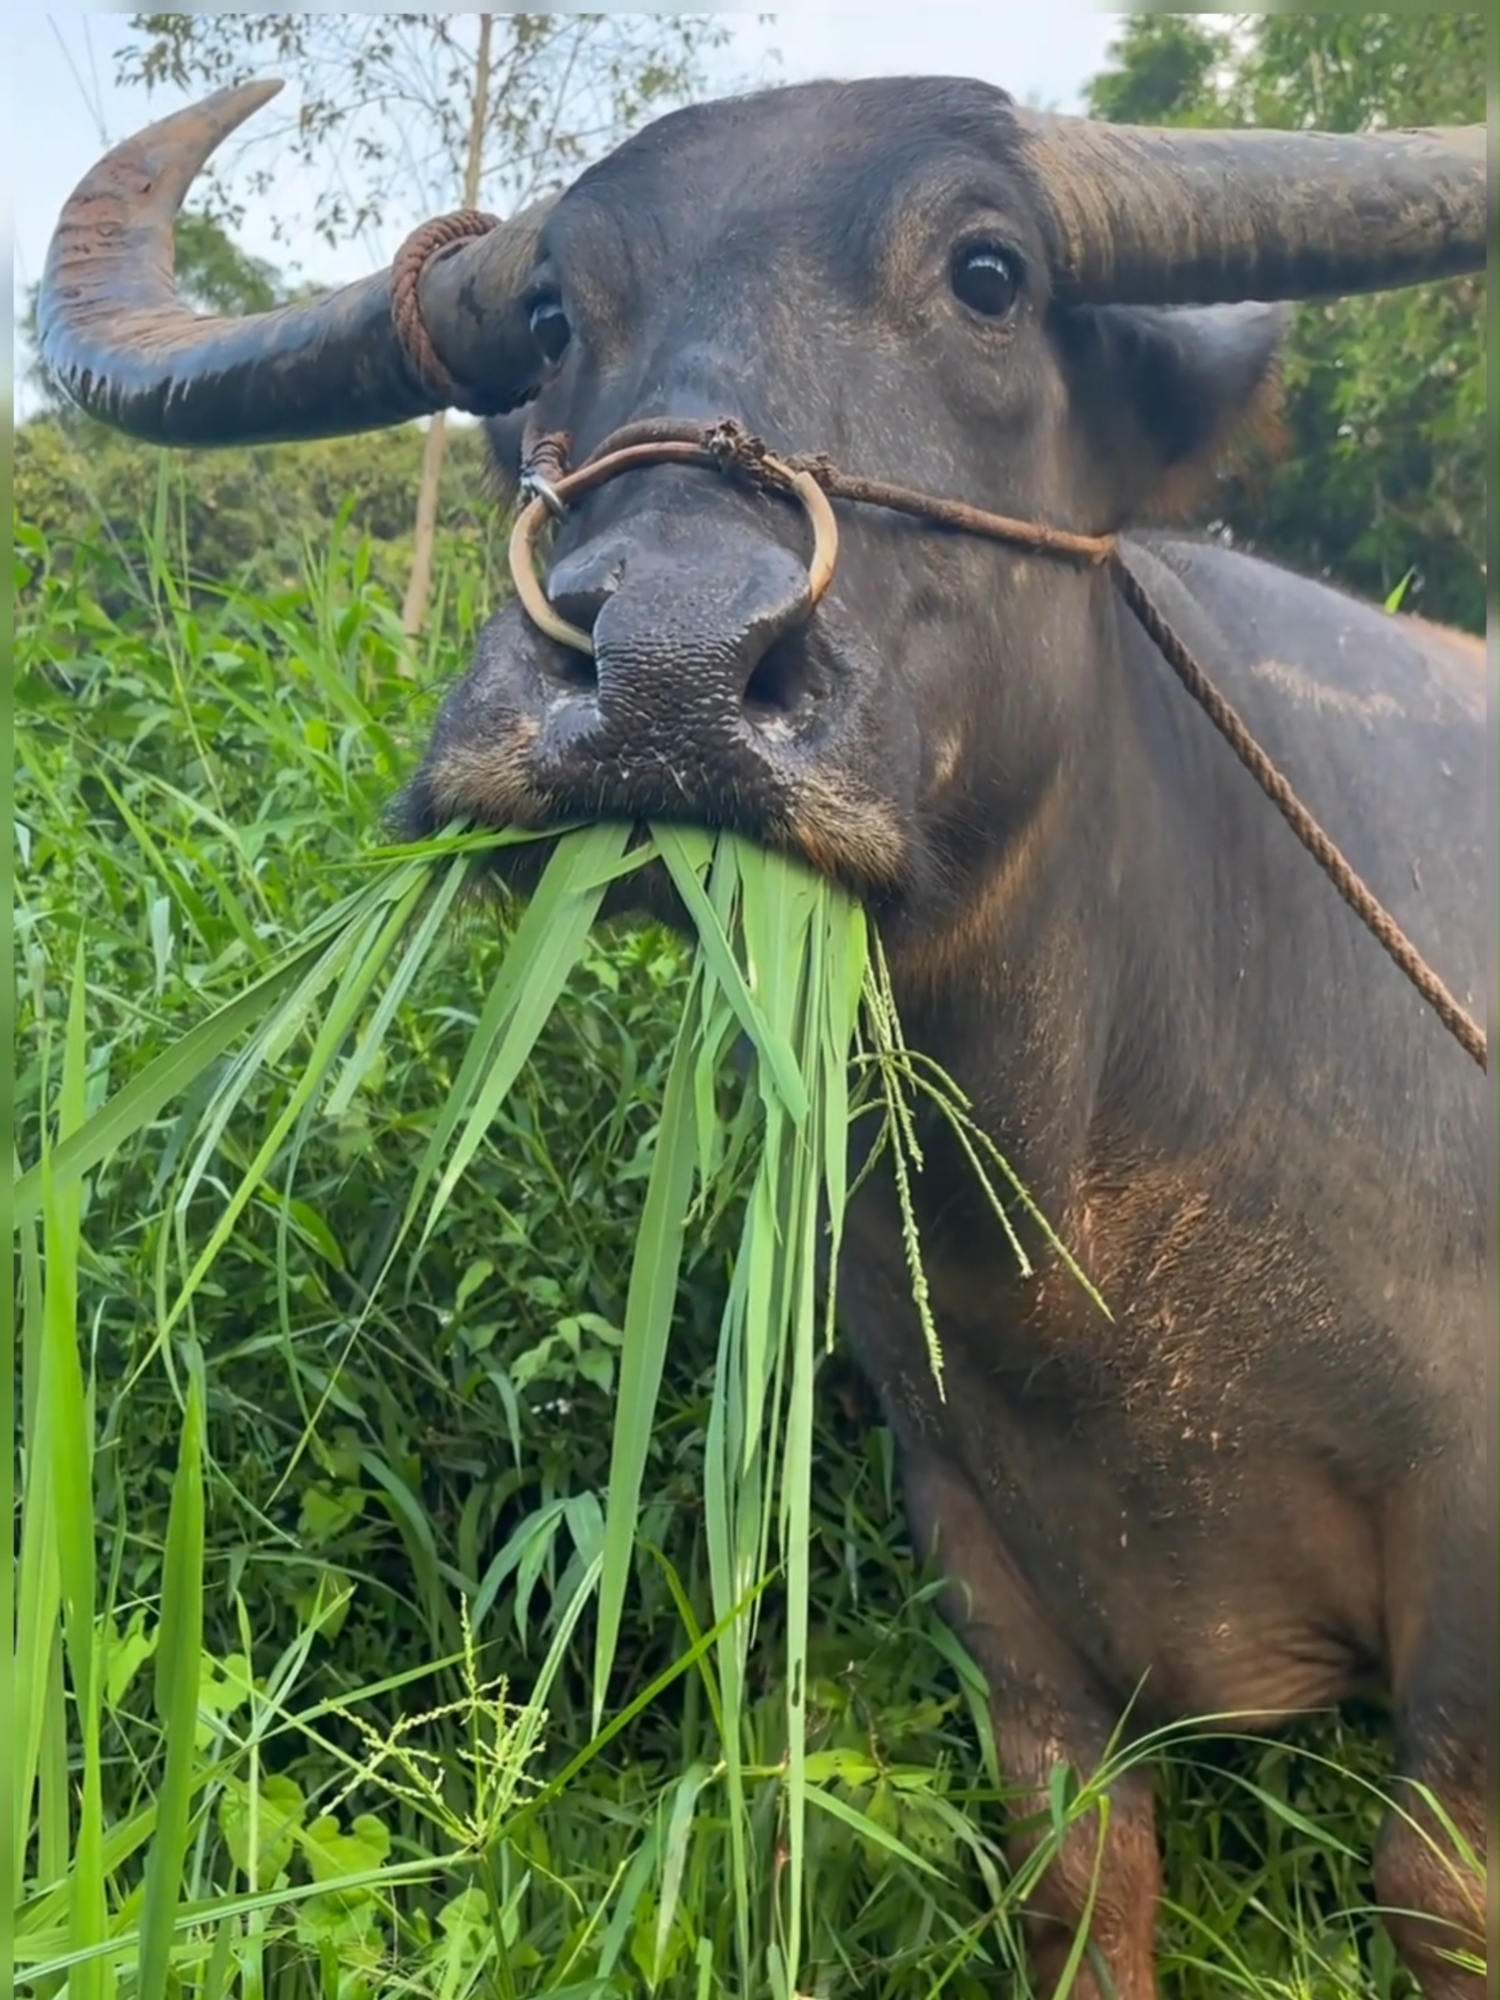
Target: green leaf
[(771, 1048), (65, 1437), (341, 1861), (261, 1827), (685, 1794)]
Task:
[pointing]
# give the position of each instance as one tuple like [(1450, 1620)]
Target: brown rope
[(728, 445), (957, 514), (659, 440), (544, 454), (406, 304), (1365, 904)]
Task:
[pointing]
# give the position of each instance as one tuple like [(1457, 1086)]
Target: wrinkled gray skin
[(1266, 1485)]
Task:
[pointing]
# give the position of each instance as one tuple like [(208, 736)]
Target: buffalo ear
[(1172, 396)]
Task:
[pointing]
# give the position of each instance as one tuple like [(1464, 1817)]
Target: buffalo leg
[(1432, 1898), (1432, 1903), (1443, 1620), (1105, 1876)]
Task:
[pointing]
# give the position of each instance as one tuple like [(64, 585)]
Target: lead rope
[(1365, 904), (729, 448)]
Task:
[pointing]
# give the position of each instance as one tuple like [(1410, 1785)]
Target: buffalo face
[(876, 288)]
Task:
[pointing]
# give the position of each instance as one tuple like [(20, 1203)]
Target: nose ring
[(550, 500)]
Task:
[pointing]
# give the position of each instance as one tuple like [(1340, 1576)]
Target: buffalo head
[(1043, 316)]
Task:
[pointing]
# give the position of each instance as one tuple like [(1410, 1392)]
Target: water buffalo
[(1265, 1484)]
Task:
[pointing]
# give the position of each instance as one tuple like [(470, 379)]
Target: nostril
[(571, 669), (779, 682), (579, 592)]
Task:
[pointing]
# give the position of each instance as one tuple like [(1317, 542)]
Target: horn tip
[(244, 99), (227, 109)]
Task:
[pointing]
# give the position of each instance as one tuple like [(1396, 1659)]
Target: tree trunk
[(424, 533)]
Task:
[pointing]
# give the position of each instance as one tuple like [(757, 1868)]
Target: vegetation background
[(220, 681)]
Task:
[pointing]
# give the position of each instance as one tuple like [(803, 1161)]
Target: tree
[(215, 274), (1384, 477), (1166, 66), (408, 115)]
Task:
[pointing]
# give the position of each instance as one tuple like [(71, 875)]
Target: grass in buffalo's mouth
[(786, 964)]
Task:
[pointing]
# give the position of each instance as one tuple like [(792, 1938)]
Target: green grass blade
[(378, 942), (418, 950), (796, 1490), (353, 955), (648, 1320), (530, 945), (65, 1425), (546, 947), (870, 1830), (178, 1657), (37, 1661), (685, 1794), (771, 1047), (168, 1075)]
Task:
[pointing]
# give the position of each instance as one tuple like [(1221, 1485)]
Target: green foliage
[(214, 275), (254, 518), (1389, 435), (1164, 72)]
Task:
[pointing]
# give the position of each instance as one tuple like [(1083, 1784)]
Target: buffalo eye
[(986, 279), (549, 327)]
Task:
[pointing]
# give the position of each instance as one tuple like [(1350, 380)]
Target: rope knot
[(411, 261), (817, 465), (732, 447)]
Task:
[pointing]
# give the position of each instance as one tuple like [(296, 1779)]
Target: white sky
[(65, 106)]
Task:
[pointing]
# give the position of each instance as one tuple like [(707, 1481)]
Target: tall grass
[(337, 1671)]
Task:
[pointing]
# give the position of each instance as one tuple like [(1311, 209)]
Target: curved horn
[(1145, 217), (115, 335)]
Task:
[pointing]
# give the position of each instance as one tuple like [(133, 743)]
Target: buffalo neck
[(1108, 992)]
